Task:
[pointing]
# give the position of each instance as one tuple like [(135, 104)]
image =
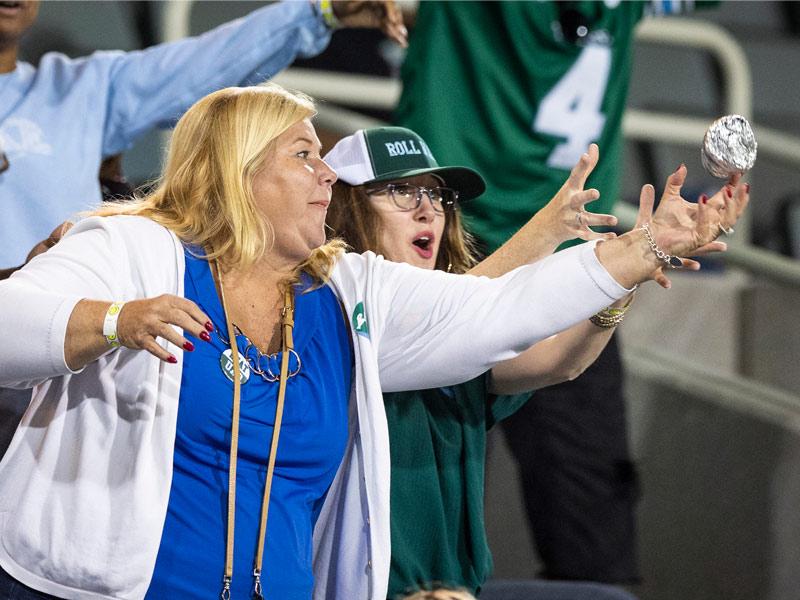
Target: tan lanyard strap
[(237, 392), (287, 344)]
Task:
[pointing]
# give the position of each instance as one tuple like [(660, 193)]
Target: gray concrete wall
[(718, 516)]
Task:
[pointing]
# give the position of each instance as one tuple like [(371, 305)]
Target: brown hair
[(352, 218), (205, 195)]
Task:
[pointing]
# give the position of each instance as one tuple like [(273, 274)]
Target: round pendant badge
[(226, 364)]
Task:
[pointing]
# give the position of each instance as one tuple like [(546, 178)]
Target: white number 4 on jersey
[(572, 109)]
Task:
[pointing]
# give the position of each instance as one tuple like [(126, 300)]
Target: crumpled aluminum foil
[(729, 147)]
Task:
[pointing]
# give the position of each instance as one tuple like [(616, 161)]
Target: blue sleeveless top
[(191, 558)]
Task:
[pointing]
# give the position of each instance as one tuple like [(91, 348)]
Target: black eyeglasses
[(406, 196), (4, 164)]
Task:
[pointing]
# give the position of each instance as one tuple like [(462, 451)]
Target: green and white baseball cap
[(386, 153)]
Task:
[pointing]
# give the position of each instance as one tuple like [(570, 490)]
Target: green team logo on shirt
[(360, 323)]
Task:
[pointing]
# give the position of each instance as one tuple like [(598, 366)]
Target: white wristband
[(110, 324)]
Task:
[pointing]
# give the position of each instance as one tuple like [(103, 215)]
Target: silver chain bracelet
[(673, 262)]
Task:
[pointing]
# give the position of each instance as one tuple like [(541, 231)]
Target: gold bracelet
[(610, 316)]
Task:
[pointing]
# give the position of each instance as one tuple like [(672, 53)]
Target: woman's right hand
[(565, 217), (142, 322), (557, 222)]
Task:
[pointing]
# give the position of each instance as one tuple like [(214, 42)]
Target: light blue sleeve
[(155, 86)]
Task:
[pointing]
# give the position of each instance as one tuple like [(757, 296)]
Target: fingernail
[(747, 187), (210, 326), (204, 336), (728, 192), (703, 198), (189, 346), (172, 359), (680, 166)]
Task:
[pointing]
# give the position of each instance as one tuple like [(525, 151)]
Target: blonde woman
[(163, 337)]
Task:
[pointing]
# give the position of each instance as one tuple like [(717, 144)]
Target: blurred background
[(714, 410)]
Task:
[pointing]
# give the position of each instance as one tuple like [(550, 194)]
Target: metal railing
[(745, 395)]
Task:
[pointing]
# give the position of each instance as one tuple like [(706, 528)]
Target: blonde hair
[(353, 218), (205, 193)]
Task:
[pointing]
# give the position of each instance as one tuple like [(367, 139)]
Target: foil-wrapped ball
[(729, 147)]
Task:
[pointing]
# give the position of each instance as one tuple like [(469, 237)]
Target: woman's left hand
[(565, 216), (682, 228)]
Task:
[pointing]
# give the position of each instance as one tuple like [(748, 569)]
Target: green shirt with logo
[(438, 449), (495, 86)]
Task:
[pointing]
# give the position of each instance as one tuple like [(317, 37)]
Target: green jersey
[(499, 87), (438, 448)]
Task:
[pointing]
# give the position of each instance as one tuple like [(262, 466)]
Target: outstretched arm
[(566, 355), (562, 219), (475, 324), (561, 357), (455, 327), (155, 86)]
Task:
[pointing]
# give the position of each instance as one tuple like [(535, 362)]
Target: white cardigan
[(85, 482)]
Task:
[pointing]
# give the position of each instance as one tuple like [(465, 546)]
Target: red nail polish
[(747, 187), (728, 192), (172, 359), (204, 336), (188, 346), (703, 198), (210, 326)]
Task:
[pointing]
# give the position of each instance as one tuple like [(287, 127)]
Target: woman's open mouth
[(10, 6), (423, 244)]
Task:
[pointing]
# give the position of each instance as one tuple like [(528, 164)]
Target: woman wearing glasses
[(393, 198), (171, 338)]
